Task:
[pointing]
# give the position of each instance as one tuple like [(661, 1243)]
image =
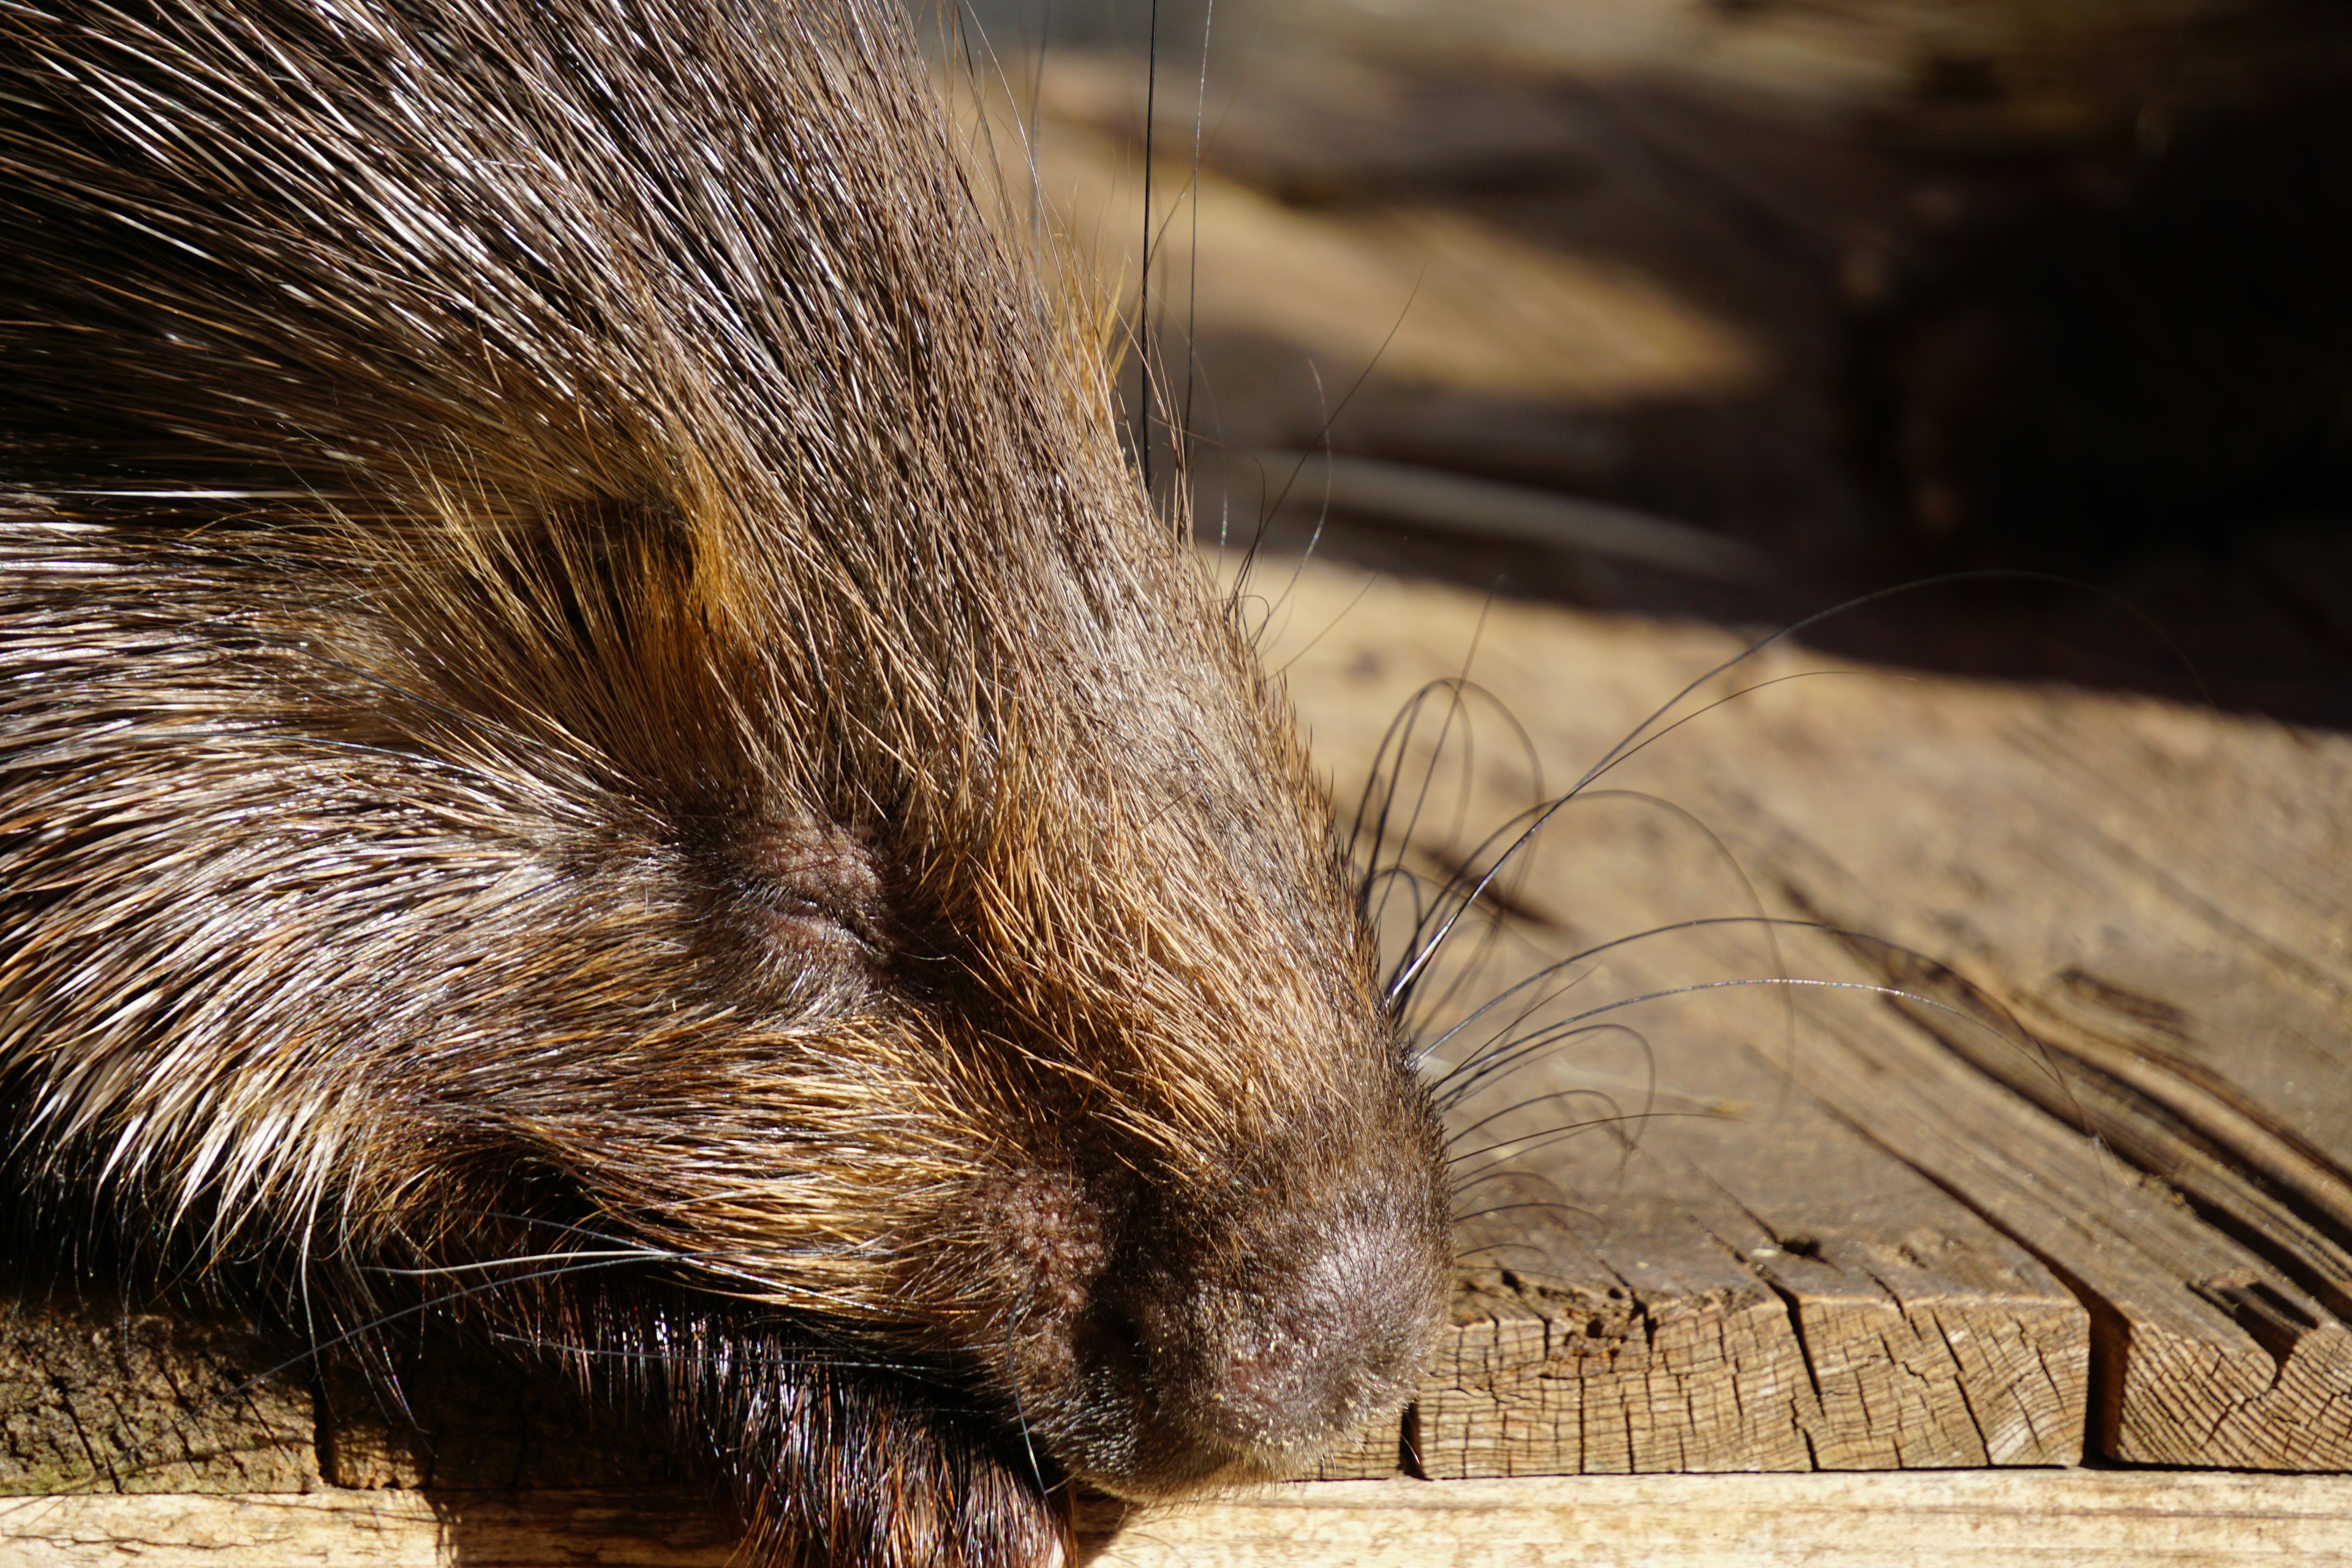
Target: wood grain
[(1940, 1520), (2111, 870), (1931, 1520), (95, 1397), (338, 1529)]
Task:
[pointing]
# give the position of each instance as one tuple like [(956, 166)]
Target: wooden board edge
[(1923, 1518)]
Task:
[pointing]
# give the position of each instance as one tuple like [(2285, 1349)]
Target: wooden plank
[(1932, 1341), (1986, 1519), (2161, 894), (2080, 1519), (2207, 1355), (1929, 1339), (1642, 1346), (2002, 827), (1757, 1286), (338, 1529), (1923, 1337), (93, 1397)]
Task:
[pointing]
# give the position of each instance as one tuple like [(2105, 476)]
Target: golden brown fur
[(582, 683)]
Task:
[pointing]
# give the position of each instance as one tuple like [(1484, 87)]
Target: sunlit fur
[(583, 681)]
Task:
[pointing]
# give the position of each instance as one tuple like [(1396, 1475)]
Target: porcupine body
[(583, 689)]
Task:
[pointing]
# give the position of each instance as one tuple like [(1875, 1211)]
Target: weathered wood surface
[(1706, 262), (2164, 896), (1942, 1520), (94, 1398), (353, 1529), (1939, 1520)]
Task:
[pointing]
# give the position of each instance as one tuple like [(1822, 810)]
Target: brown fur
[(582, 680)]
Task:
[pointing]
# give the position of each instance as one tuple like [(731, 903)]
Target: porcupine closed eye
[(582, 682)]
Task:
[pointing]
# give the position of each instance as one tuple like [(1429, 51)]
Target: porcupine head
[(586, 684)]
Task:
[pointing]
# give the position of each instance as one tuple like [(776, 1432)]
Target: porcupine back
[(582, 682)]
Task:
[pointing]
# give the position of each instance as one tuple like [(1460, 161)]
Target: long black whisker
[(1556, 966), (1700, 922), (1543, 816), (1524, 1048), (1639, 736), (1020, 1413), (1456, 1135), (1513, 1208), (1192, 280), (1562, 1134), (1323, 433)]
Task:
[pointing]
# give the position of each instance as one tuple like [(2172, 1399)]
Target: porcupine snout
[(1292, 1341), (1243, 1331)]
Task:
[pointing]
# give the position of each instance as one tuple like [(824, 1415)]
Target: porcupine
[(598, 738)]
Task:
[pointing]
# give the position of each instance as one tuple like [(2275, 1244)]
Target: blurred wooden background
[(1879, 288)]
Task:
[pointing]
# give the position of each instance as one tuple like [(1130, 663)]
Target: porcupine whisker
[(1384, 779), (1389, 782), (1847, 606), (1552, 1205), (1329, 626), (1510, 1029), (1616, 1112), (1468, 977), (1548, 971), (1459, 884), (1520, 1050), (1144, 380), (1816, 983), (1036, 94), (1181, 431), (1193, 277), (1322, 438), (721, 1264), (1566, 1131), (1457, 708), (1020, 1408), (1539, 817), (1637, 738), (1531, 993), (1627, 1143), (2010, 1031), (1186, 199), (1469, 1252), (648, 1255)]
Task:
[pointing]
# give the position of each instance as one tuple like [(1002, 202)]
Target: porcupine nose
[(1289, 1341)]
